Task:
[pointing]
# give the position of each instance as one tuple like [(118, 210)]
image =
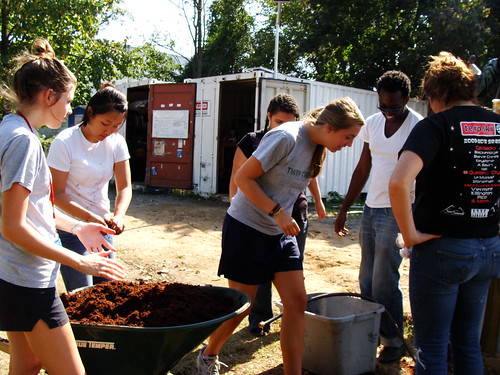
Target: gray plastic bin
[(341, 335)]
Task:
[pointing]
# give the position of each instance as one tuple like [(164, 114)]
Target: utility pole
[(277, 36)]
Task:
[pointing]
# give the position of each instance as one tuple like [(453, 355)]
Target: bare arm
[(407, 169), (18, 230), (123, 184), (238, 160), (358, 181), (316, 194), (245, 179), (59, 180)]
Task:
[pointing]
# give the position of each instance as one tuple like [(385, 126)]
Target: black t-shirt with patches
[(458, 189)]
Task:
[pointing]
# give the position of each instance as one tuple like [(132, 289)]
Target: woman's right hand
[(98, 264), (286, 223), (417, 237), (93, 218)]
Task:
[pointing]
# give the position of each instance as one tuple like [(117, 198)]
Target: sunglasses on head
[(390, 111)]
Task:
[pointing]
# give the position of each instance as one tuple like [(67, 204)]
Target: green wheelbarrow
[(124, 350), (119, 350)]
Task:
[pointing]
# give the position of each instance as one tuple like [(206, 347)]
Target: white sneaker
[(208, 365)]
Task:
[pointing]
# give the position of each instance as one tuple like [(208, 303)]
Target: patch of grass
[(333, 201), (408, 327)]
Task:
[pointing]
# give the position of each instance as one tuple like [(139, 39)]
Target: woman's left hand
[(116, 223), (90, 234), (320, 209)]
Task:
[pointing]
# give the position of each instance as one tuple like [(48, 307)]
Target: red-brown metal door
[(170, 135)]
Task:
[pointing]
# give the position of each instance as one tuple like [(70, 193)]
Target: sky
[(147, 16)]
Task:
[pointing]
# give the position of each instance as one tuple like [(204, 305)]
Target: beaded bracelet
[(275, 211), (73, 228)]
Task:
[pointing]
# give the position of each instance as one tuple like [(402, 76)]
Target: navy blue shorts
[(21, 308), (252, 257)]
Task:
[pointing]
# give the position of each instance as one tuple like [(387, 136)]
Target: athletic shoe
[(208, 365)]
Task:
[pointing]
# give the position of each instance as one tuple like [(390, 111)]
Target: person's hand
[(100, 265), (90, 234), (286, 223), (116, 223), (320, 209), (93, 218), (340, 228), (417, 237)]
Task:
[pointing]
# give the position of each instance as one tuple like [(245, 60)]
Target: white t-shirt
[(89, 165), (384, 152)]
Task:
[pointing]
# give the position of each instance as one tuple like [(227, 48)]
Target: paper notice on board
[(170, 124)]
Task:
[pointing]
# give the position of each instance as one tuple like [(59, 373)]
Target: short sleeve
[(121, 149), (363, 134), (425, 140), (246, 144), (21, 161), (59, 156), (274, 147)]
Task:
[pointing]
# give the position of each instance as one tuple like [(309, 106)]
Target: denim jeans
[(71, 277), (449, 280), (262, 308), (379, 269)]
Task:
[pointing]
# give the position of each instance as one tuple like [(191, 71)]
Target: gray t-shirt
[(22, 161), (285, 154)]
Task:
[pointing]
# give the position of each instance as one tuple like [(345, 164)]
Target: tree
[(194, 11), (353, 42), (71, 27), (228, 38), (291, 59), (61, 21)]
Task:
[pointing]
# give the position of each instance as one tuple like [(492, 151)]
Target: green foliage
[(334, 197), (71, 27), (228, 38), (291, 59), (353, 42), (46, 142)]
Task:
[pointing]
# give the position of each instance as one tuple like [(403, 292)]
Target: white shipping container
[(228, 106)]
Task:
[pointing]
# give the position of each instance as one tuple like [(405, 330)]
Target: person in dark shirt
[(454, 155)]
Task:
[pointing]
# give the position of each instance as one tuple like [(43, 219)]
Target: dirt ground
[(172, 238)]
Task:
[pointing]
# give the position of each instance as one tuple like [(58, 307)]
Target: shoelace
[(213, 365)]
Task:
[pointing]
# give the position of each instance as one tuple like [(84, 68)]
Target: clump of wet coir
[(141, 304)]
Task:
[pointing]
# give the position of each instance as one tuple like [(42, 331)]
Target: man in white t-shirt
[(384, 134)]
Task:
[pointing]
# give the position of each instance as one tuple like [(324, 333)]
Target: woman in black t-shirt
[(454, 155)]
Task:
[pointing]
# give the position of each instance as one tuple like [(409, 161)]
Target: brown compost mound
[(141, 304)]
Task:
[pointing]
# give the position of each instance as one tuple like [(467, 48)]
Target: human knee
[(295, 305)]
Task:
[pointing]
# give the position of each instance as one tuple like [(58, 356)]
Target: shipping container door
[(270, 87), (171, 133)]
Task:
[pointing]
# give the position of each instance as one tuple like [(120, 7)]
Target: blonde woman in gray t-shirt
[(258, 235), (31, 311)]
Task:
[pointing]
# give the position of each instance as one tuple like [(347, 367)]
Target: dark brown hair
[(282, 103), (107, 99), (448, 79)]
